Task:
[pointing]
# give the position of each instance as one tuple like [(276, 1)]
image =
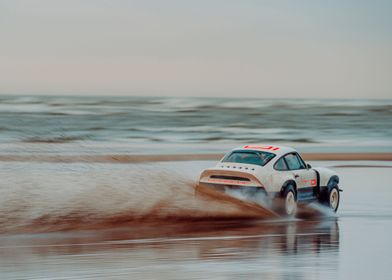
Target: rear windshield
[(249, 157)]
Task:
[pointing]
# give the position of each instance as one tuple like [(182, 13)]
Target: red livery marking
[(312, 182), (262, 147)]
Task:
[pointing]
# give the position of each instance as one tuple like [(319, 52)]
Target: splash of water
[(44, 197)]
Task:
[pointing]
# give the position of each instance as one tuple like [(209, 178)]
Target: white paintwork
[(266, 176)]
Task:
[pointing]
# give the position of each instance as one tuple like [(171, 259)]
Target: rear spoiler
[(229, 177)]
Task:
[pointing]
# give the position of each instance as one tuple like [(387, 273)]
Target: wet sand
[(125, 158), (354, 244)]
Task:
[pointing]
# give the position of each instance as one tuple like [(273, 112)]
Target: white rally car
[(276, 172)]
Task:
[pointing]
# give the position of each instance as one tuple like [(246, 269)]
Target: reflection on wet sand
[(199, 244), (281, 239)]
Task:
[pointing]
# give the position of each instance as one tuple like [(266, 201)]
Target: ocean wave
[(340, 114), (54, 139)]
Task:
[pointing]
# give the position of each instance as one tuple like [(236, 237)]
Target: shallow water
[(354, 244)]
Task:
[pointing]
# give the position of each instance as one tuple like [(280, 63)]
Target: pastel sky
[(276, 48)]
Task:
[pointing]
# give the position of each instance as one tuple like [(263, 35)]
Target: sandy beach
[(79, 220), (181, 157)]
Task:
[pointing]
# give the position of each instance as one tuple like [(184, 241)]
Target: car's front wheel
[(334, 199)]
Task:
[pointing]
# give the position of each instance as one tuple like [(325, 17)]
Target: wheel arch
[(287, 184), (333, 182)]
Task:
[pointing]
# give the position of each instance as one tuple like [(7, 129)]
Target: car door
[(305, 178)]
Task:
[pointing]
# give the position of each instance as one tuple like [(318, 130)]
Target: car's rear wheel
[(288, 202)]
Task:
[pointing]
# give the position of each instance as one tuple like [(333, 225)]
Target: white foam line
[(208, 238)]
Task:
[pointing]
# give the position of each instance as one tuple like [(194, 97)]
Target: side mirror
[(308, 166)]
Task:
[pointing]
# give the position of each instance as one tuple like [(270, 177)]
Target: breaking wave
[(54, 139)]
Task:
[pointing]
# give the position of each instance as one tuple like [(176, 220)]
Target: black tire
[(333, 199), (287, 204), (330, 195)]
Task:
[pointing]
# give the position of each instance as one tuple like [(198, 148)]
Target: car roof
[(278, 150)]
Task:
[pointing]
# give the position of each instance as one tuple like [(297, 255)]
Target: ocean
[(167, 125)]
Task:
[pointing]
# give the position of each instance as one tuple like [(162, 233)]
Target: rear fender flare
[(286, 184)]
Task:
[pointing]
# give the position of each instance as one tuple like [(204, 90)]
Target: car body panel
[(306, 180)]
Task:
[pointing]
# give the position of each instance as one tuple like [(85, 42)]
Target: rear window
[(249, 157), (294, 162), (281, 165)]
